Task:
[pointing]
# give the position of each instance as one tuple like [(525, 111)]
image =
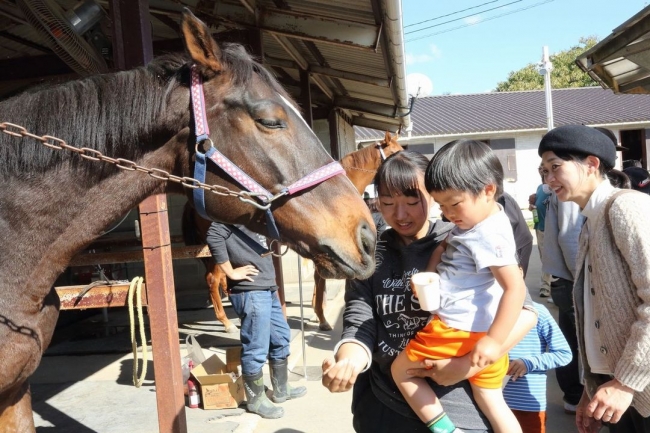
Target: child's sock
[(441, 424)]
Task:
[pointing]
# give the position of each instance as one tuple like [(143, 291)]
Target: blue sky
[(474, 58)]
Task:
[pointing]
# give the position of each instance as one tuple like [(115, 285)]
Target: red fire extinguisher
[(192, 391)]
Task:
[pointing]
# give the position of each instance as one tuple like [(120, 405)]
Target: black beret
[(579, 139)]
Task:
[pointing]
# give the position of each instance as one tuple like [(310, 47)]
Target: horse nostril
[(367, 238)]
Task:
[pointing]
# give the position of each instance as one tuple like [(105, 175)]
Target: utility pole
[(545, 68)]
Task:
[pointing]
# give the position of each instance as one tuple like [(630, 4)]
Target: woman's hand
[(486, 351), (340, 375), (610, 402), (585, 423), (516, 369), (444, 372)]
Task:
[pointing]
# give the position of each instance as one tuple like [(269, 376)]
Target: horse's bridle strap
[(202, 132)]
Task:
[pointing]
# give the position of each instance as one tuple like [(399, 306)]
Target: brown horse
[(360, 167), (53, 203)]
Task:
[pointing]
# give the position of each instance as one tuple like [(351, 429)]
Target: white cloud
[(434, 53), (474, 19), (412, 59)]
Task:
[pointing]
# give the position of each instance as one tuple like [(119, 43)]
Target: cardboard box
[(220, 386)]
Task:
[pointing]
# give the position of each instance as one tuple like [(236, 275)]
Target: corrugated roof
[(621, 61), (341, 43), (511, 111)]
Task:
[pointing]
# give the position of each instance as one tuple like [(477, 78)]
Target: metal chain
[(24, 330), (125, 164)]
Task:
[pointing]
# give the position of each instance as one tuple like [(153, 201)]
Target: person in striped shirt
[(542, 349)]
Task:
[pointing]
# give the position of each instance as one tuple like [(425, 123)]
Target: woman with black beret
[(612, 285)]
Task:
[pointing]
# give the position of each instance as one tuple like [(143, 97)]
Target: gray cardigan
[(621, 294), (561, 231)]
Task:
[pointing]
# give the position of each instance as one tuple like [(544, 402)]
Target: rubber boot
[(282, 391), (257, 402)]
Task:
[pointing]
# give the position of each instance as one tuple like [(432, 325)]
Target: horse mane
[(111, 113), (365, 158)]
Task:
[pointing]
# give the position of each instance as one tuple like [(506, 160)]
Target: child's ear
[(490, 190)]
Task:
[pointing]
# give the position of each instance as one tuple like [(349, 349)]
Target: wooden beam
[(609, 47), (32, 67), (379, 125), (302, 26), (5, 34), (112, 295), (350, 76), (89, 259), (364, 106)]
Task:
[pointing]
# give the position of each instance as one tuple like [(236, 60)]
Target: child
[(481, 286), (544, 348)]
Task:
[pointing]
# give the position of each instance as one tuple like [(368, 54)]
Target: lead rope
[(136, 286)]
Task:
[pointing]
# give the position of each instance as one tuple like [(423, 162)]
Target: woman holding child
[(612, 285), (382, 315)]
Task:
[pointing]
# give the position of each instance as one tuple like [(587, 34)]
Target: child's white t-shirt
[(469, 293)]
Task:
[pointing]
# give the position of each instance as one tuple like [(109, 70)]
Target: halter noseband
[(202, 132), (381, 151)]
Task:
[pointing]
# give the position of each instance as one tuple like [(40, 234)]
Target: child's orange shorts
[(438, 341)]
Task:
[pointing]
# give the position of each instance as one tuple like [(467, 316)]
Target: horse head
[(390, 145), (254, 124)]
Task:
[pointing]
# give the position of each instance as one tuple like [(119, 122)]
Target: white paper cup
[(427, 289)]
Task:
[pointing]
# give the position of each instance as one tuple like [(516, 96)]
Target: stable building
[(513, 123)]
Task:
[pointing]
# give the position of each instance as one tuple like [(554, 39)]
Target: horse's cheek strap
[(272, 228), (199, 193)]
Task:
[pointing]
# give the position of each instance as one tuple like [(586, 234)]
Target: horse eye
[(271, 123)]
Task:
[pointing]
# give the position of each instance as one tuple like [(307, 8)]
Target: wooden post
[(133, 47), (335, 144)]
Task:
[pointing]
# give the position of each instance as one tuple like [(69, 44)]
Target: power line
[(463, 17), (487, 19), (453, 13)]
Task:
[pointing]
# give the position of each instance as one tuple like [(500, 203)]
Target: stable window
[(505, 150)]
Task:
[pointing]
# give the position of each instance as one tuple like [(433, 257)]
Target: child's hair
[(464, 165), (398, 174)]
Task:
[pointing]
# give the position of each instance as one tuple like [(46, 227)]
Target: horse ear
[(200, 45)]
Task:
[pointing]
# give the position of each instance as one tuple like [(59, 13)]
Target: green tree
[(565, 72)]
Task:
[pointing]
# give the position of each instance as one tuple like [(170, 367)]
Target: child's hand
[(486, 352), (516, 369)]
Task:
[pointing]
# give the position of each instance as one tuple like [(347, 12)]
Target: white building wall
[(528, 161)]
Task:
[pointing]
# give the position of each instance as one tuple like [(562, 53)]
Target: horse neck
[(361, 166), (56, 216)]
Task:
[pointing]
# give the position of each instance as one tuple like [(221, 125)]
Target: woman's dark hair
[(398, 175), (464, 165), (617, 178)]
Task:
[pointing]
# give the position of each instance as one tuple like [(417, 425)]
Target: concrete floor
[(84, 385)]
